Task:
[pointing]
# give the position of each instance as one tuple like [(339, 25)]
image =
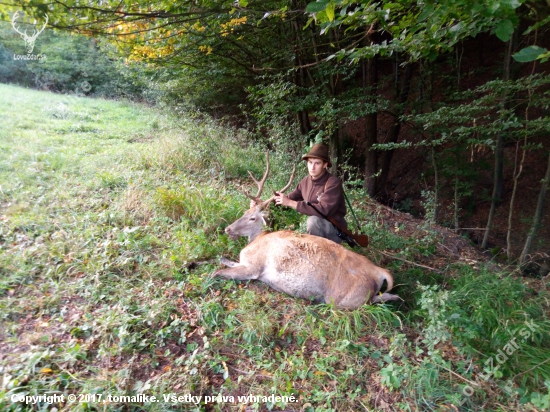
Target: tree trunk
[(456, 223), (334, 150), (396, 127), (300, 78), (303, 120), (497, 188), (334, 88), (538, 215), (436, 185), (371, 127), (496, 198), (517, 174)]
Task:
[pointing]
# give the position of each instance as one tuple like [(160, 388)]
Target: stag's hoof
[(384, 297)]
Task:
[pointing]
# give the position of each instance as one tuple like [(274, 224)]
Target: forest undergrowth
[(112, 218)]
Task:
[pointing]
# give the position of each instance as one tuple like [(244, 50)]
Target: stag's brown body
[(310, 267)]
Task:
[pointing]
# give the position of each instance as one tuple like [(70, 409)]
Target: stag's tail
[(384, 297), (388, 278)]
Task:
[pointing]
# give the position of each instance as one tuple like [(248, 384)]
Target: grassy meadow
[(111, 223)]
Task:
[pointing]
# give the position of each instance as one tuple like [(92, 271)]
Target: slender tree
[(370, 76), (403, 87), (537, 219), (496, 198)]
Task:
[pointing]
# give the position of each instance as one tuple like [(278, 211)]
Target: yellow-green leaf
[(330, 11)]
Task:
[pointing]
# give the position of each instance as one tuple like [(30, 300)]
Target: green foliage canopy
[(421, 29)]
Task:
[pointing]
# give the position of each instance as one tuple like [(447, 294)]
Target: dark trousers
[(321, 227)]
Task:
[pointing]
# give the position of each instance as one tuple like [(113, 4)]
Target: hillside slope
[(111, 221)]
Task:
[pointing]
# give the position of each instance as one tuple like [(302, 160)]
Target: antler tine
[(256, 200), (268, 201), (260, 183), (289, 181)]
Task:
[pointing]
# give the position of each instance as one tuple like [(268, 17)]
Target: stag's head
[(253, 220), (249, 225), (29, 38)]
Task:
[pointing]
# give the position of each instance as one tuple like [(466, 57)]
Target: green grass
[(105, 208)]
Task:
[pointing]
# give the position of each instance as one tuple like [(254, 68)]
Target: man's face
[(316, 167)]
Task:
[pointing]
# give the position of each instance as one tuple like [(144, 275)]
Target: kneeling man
[(323, 191)]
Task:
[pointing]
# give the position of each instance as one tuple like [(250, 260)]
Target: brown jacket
[(325, 193)]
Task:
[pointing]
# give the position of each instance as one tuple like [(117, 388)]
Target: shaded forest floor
[(106, 208), (412, 173)]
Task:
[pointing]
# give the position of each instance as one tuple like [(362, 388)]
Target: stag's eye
[(252, 219)]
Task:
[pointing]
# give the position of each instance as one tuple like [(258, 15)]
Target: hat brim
[(308, 156)]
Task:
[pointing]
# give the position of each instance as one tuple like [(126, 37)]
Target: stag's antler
[(29, 40), (259, 183), (266, 203)]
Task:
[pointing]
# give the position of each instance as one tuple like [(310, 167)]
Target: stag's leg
[(238, 272), (350, 301), (228, 263), (348, 295)]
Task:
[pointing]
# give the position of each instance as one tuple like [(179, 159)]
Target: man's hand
[(282, 199)]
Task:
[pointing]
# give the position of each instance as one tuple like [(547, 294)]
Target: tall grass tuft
[(489, 310)]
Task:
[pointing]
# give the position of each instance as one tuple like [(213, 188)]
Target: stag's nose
[(228, 230)]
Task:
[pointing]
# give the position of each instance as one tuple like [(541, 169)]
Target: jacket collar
[(321, 180)]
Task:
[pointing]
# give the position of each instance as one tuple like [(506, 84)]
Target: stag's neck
[(253, 236)]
